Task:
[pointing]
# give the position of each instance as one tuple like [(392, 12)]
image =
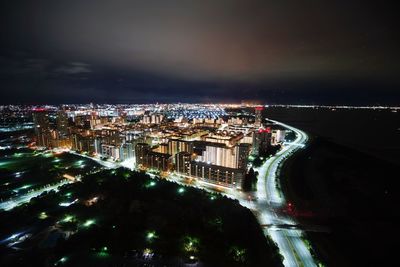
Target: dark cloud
[(74, 68), (172, 50)]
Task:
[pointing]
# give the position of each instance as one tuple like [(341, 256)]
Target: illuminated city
[(220, 133), (217, 148)]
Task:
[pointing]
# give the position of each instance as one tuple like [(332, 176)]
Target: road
[(104, 163), (270, 198), (25, 198)]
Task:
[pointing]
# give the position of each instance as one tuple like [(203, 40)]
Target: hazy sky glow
[(148, 51)]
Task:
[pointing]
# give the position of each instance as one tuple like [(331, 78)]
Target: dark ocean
[(375, 132)]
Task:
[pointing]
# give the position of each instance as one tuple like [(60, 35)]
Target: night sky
[(297, 52)]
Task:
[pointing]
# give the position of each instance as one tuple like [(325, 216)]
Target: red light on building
[(38, 109), (290, 208), (259, 108), (266, 130)]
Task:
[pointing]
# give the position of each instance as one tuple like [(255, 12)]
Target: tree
[(250, 180)]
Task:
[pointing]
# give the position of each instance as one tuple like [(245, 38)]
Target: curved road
[(270, 199)]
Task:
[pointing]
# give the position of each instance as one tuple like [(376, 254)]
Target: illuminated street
[(270, 197), (25, 198)]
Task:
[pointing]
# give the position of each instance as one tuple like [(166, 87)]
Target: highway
[(270, 198)]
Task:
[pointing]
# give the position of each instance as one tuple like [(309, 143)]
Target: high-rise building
[(243, 151), (62, 124), (97, 145), (146, 119), (42, 127), (221, 155), (182, 163), (217, 174), (258, 116), (85, 143), (277, 136), (261, 141), (177, 145), (150, 159), (153, 119), (126, 151), (158, 161), (162, 148), (141, 151), (110, 151)]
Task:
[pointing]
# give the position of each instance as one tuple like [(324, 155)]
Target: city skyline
[(207, 133), (230, 153), (211, 147)]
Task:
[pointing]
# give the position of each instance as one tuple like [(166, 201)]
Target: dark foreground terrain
[(124, 218), (351, 197)]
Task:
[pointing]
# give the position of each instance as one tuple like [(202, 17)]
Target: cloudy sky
[(326, 52)]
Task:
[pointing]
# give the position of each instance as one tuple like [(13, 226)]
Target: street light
[(89, 223), (151, 184), (60, 261), (151, 235)]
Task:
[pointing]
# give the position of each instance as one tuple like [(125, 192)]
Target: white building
[(277, 137)]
